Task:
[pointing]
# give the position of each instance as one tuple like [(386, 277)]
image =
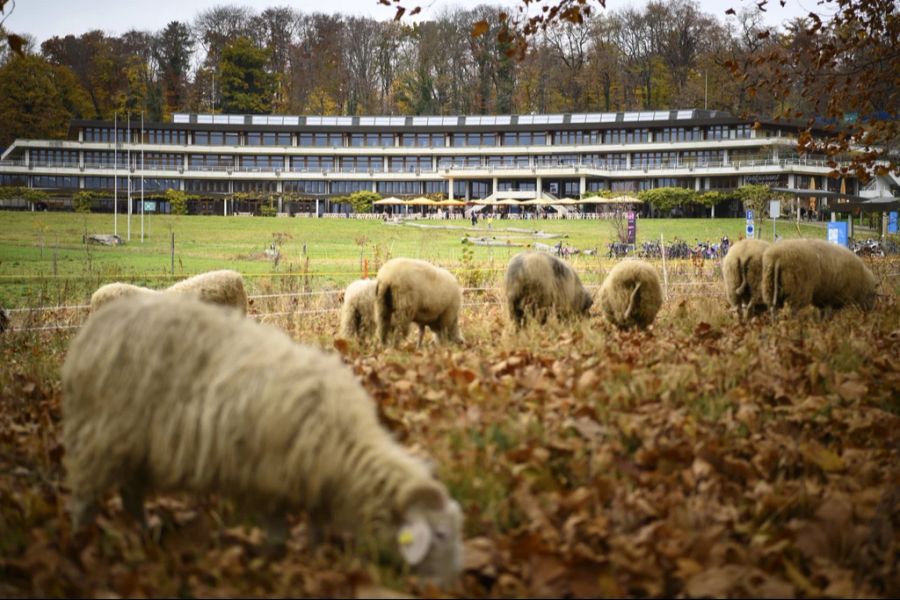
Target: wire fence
[(35, 316)]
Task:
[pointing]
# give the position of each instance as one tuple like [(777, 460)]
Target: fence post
[(662, 248), (172, 254)]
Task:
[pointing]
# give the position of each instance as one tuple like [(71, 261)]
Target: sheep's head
[(430, 534), (586, 301)]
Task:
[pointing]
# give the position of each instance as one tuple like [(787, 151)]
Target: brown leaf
[(822, 457), (341, 345), (480, 28)]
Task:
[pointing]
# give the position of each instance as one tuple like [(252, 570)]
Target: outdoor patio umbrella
[(390, 200), (421, 201)]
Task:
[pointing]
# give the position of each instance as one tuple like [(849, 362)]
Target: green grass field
[(42, 253)]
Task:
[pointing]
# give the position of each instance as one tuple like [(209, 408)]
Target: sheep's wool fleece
[(624, 307), (224, 287), (742, 271), (819, 273), (416, 291), (358, 310), (167, 393), (113, 291), (537, 283)]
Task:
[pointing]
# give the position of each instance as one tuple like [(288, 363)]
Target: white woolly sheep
[(168, 394), (803, 272), (358, 310), (415, 291), (112, 291), (631, 294), (538, 284), (742, 271), (223, 287)]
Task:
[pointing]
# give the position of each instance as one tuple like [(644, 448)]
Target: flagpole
[(116, 174), (142, 177), (128, 151)]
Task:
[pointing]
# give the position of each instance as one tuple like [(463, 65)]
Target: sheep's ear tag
[(414, 539)]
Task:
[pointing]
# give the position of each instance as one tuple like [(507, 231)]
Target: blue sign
[(749, 215), (750, 227), (632, 227), (837, 233), (892, 222)]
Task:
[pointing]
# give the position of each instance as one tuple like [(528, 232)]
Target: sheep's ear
[(428, 495), (414, 539)]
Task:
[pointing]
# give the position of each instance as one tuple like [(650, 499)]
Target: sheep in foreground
[(742, 271), (223, 287), (631, 294), (415, 291), (170, 394), (803, 272), (358, 310), (538, 284)]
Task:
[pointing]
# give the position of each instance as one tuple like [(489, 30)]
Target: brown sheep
[(800, 273), (742, 271), (538, 284), (631, 294)]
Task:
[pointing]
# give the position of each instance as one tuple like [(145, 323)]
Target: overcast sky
[(45, 18)]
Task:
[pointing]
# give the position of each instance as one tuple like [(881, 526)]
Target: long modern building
[(231, 162)]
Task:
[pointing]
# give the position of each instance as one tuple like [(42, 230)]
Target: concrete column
[(495, 186), (725, 157), (628, 160), (540, 188), (27, 156), (792, 181), (450, 188), (582, 186), (697, 183), (374, 186)]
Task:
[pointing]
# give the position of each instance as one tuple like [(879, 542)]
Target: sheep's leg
[(421, 334), (133, 502), (83, 509)]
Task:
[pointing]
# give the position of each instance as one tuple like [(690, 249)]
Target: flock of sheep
[(167, 393)]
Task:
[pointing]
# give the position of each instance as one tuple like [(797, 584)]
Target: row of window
[(422, 140), (395, 164), (462, 188)]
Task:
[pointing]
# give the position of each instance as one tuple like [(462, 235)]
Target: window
[(399, 188), (262, 163), (54, 181), (254, 186), (702, 158), (508, 161), (743, 132), (630, 185), (459, 161), (210, 162), (342, 188), (156, 160), (13, 180), (312, 163), (210, 185), (436, 187), (152, 184), (570, 138), (333, 140), (717, 132), (677, 134), (525, 138), (371, 139), (410, 164), (474, 139), (49, 157), (422, 140), (626, 136), (517, 185), (255, 138), (165, 136), (653, 159), (361, 164), (305, 187)]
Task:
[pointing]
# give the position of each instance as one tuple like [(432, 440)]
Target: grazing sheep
[(538, 284), (826, 275), (742, 270), (112, 291), (168, 394), (218, 287), (358, 310), (631, 294), (415, 291), (225, 287)]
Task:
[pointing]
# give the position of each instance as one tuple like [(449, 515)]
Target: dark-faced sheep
[(631, 294), (742, 270), (415, 291), (538, 285), (800, 273), (169, 394), (358, 310)]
